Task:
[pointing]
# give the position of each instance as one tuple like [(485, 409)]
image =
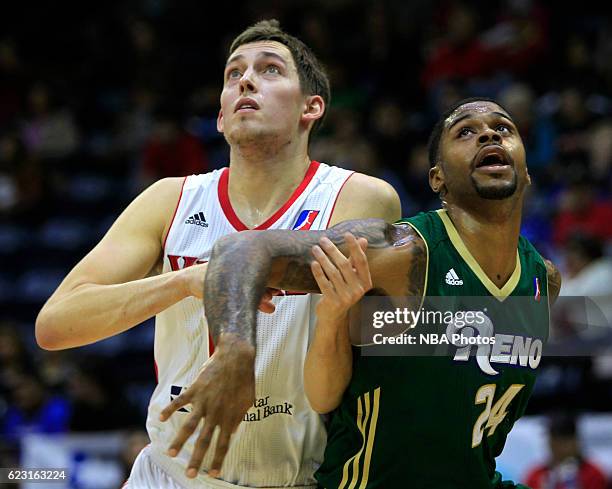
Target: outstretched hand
[(222, 393), (220, 396)]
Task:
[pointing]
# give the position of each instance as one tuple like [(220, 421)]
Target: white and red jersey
[(281, 440)]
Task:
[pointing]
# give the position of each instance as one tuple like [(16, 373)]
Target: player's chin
[(497, 190), (244, 132), (495, 187)]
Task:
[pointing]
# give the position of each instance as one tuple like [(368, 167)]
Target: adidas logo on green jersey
[(452, 278)]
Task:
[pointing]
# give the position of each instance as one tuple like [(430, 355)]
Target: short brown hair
[(313, 78)]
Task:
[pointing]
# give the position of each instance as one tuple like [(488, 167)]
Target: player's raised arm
[(241, 266)]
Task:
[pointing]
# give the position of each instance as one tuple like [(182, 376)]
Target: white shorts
[(146, 474), (154, 470)]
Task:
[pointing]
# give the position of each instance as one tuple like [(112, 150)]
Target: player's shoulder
[(366, 196), (157, 203), (163, 193), (371, 187), (167, 185)]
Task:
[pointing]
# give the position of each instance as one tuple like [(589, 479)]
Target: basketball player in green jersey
[(401, 421)]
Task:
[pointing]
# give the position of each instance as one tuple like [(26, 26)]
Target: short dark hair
[(433, 145), (313, 78)]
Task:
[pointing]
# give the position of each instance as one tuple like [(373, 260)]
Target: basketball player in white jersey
[(153, 260)]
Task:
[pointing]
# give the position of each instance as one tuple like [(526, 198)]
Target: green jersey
[(439, 421)]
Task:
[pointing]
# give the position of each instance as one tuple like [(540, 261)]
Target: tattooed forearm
[(405, 276), (241, 265), (297, 274)]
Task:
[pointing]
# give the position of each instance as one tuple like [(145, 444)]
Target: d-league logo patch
[(536, 289), (197, 219), (305, 220)]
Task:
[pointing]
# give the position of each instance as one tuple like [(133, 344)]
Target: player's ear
[(314, 108), (220, 121), (436, 178), (528, 179)]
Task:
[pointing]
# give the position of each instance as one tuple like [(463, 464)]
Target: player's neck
[(491, 233), (261, 183)]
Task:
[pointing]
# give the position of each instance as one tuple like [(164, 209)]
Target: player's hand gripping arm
[(343, 282), (241, 266)]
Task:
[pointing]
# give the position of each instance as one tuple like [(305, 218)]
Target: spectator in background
[(537, 132), (574, 123), (11, 79), (9, 187), (49, 131), (580, 63), (56, 368), (388, 128), (587, 270), (600, 152), (588, 274), (21, 181), (32, 409), (97, 402), (581, 210), (171, 151), (514, 44), (519, 37), (416, 176), (148, 59), (135, 124), (345, 144), (603, 52), (567, 467), (459, 53), (13, 357)]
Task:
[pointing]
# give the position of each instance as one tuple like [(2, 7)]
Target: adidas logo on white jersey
[(452, 278), (197, 219)]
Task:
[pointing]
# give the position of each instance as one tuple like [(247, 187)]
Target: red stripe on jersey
[(228, 210), (336, 201), (174, 215), (211, 345)]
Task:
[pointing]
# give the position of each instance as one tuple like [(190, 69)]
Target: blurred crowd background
[(99, 100)]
